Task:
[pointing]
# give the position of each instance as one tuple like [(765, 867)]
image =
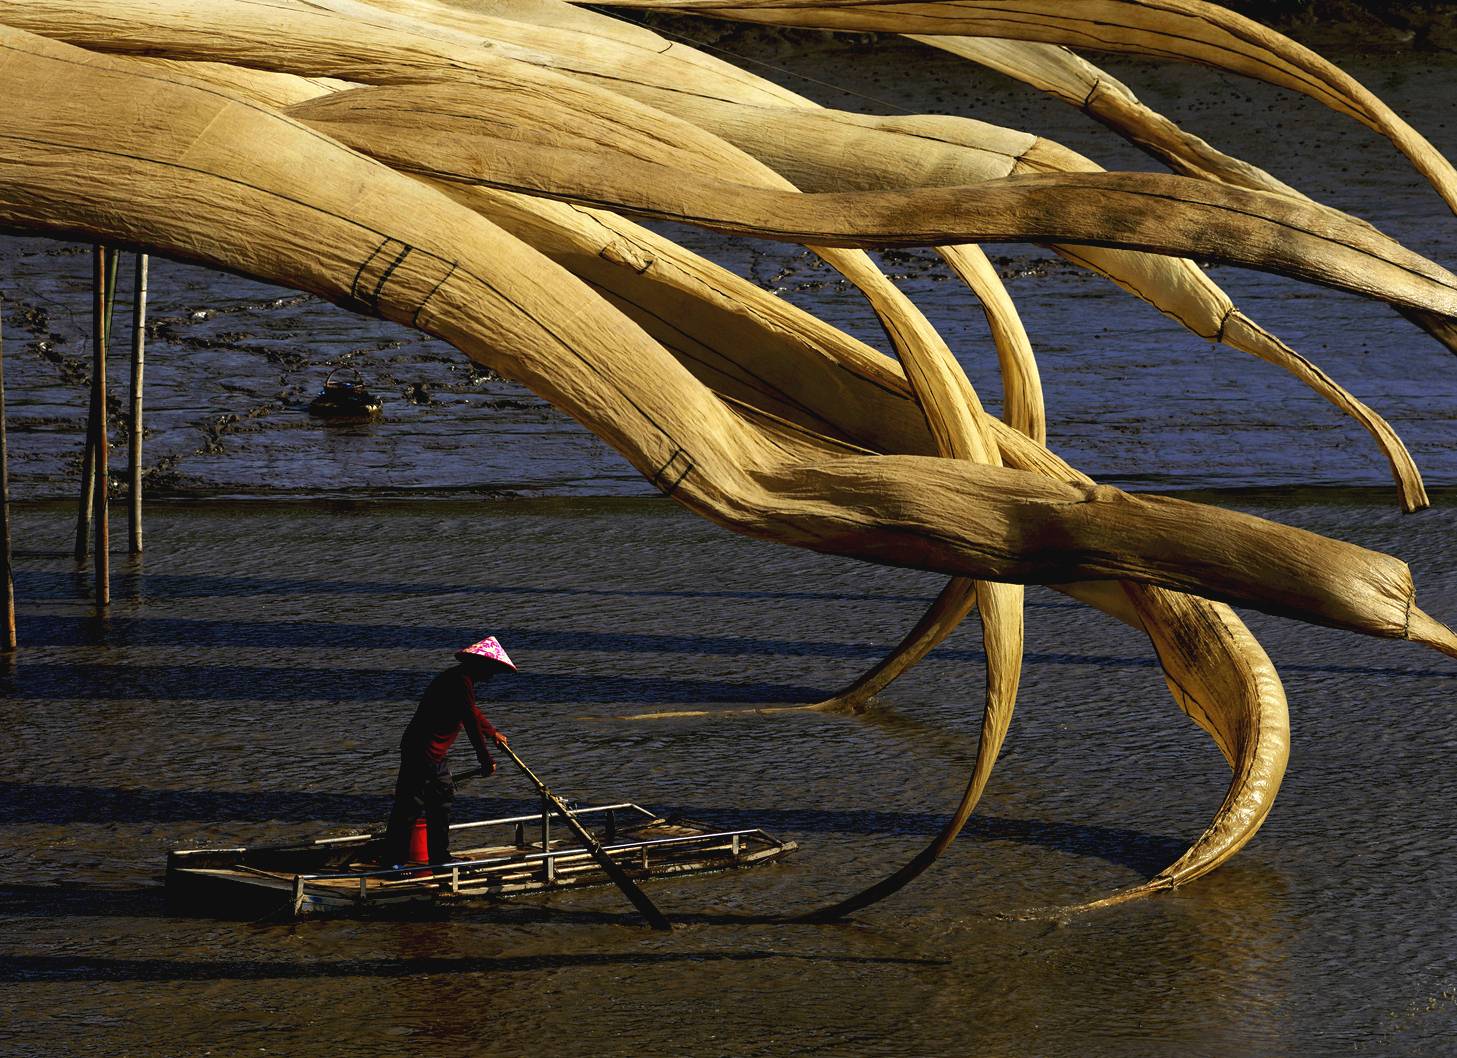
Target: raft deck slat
[(322, 875)]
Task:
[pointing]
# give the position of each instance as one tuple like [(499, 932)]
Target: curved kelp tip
[(1428, 631), (1243, 333), (956, 420), (1218, 675), (995, 721), (950, 607), (1224, 681)]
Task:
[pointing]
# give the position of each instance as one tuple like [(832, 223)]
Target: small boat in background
[(346, 400), (342, 875)]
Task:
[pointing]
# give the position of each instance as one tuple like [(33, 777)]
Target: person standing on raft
[(425, 786)]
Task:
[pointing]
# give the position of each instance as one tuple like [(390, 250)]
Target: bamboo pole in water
[(85, 512), (7, 579), (88, 484), (134, 439), (102, 258)]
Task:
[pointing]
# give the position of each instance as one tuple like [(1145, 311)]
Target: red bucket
[(419, 843)]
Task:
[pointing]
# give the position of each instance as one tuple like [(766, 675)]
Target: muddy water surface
[(258, 668)]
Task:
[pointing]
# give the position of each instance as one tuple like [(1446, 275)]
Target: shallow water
[(256, 670), (253, 693)]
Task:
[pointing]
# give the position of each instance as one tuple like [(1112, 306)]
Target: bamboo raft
[(335, 875)]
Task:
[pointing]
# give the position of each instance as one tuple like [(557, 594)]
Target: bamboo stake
[(88, 484), (134, 439), (7, 588), (99, 439), (85, 511)]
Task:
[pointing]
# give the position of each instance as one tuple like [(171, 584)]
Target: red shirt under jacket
[(449, 704)]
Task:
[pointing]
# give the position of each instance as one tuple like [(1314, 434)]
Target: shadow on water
[(194, 682), (81, 901), (49, 630), (82, 968), (59, 805), (59, 631), (40, 583)]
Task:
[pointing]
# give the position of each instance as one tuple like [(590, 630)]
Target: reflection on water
[(254, 693)]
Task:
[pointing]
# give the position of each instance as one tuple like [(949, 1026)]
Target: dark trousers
[(424, 788)]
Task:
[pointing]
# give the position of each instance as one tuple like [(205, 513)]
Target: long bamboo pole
[(88, 483), (134, 439), (99, 438), (7, 579), (85, 511), (645, 907)]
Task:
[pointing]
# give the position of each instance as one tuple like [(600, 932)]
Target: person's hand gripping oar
[(639, 899)]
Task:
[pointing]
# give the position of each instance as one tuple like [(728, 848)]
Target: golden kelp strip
[(1187, 30)]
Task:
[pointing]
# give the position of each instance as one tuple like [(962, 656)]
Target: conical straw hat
[(486, 650)]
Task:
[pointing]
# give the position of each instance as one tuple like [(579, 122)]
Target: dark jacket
[(449, 704)]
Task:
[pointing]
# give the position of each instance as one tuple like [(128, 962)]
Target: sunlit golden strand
[(1023, 405), (1073, 79), (1024, 409), (956, 419), (1220, 677), (373, 44), (1187, 30), (1145, 211), (424, 122)]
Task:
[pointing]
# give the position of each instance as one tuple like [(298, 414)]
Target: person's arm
[(481, 733)]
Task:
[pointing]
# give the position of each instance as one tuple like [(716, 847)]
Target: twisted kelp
[(393, 157)]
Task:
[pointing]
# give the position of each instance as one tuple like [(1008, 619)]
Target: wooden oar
[(639, 899)]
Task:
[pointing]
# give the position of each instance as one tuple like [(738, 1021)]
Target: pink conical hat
[(488, 650)]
